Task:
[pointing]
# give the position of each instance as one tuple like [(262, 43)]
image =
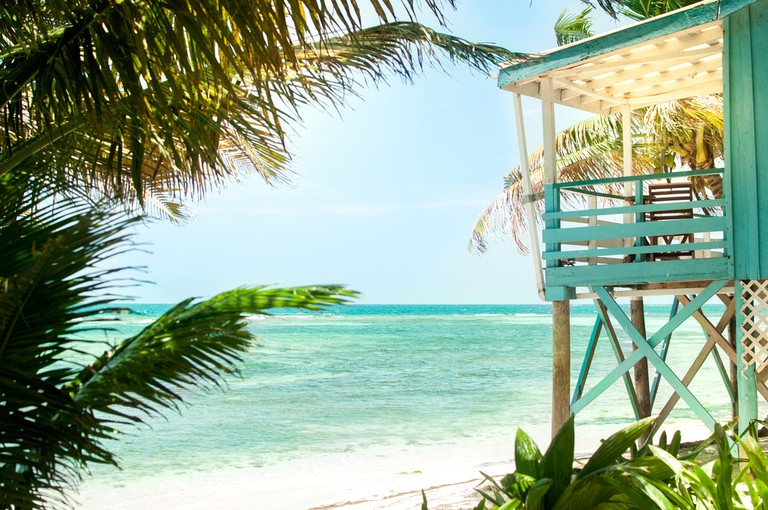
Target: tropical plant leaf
[(570, 28), (537, 495), (527, 455), (517, 485), (56, 412), (557, 462), (175, 107), (190, 346), (640, 10), (614, 447)]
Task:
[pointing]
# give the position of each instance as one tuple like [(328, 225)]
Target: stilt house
[(630, 236)]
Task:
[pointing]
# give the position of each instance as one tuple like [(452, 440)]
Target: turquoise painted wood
[(587, 362), (577, 185), (664, 351), (568, 261), (651, 29), (552, 204), (640, 272), (653, 357), (709, 245), (619, 230), (602, 322), (658, 337), (724, 375), (746, 116), (632, 209)]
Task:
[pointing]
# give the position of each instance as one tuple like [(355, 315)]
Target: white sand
[(377, 479)]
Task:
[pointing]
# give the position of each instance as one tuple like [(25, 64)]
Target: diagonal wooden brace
[(646, 348)]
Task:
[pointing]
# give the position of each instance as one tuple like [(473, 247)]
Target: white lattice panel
[(754, 324)]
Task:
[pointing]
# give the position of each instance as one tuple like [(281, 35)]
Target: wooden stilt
[(561, 363), (642, 383)]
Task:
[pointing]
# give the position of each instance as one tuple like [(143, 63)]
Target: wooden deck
[(610, 245)]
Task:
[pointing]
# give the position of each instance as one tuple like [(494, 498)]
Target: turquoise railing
[(589, 245)]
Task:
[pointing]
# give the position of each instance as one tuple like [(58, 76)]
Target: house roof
[(669, 57)]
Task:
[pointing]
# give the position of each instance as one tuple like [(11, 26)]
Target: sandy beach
[(448, 476)]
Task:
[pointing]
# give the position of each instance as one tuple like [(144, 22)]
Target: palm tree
[(686, 132), (143, 103), (58, 403), (639, 10), (149, 102), (570, 28)]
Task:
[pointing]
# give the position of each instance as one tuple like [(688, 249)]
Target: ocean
[(331, 404)]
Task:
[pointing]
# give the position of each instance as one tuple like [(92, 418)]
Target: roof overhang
[(669, 57)]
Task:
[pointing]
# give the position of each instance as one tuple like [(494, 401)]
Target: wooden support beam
[(645, 347), (561, 364), (657, 338), (642, 381), (586, 364), (714, 337), (530, 211), (664, 351), (715, 331), (618, 354)]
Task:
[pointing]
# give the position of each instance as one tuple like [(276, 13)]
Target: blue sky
[(387, 191)]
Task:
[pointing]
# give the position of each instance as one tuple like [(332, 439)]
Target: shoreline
[(370, 480)]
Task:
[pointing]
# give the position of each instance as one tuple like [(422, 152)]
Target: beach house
[(695, 235)]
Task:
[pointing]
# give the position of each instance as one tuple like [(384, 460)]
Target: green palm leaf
[(132, 98), (190, 346), (690, 130), (58, 407), (612, 449), (570, 28)]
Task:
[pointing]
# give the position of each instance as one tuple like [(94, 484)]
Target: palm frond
[(570, 28), (54, 280), (609, 6), (190, 346), (176, 107), (47, 286), (592, 149), (640, 10)]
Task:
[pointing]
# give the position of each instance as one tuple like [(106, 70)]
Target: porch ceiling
[(673, 66)]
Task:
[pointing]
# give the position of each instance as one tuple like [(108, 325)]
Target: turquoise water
[(376, 382)]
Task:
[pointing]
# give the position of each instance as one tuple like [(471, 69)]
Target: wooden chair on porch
[(665, 192)]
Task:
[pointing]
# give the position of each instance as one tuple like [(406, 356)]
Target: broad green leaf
[(557, 462), (614, 447), (517, 485), (535, 498), (510, 505), (674, 445), (527, 455), (724, 470), (677, 466)]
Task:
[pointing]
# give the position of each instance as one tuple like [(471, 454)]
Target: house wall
[(745, 68)]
